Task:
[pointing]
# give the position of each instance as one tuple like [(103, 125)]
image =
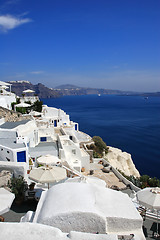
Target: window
[(74, 151), (43, 139)]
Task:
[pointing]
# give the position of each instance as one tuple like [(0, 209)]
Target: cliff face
[(40, 90), (122, 161)]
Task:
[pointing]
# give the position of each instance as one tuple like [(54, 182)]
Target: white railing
[(74, 171), (122, 178)]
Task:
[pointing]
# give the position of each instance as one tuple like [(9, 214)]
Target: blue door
[(55, 123), (21, 156), (76, 127)]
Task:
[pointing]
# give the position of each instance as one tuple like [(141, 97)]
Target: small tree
[(100, 144), (154, 182), (21, 110), (17, 186), (37, 106), (98, 147), (18, 100), (14, 103)]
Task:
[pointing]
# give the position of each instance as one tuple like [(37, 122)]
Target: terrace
[(44, 148), (17, 211)]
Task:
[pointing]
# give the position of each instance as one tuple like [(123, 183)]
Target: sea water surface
[(131, 123)]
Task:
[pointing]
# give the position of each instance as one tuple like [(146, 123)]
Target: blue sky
[(113, 44)]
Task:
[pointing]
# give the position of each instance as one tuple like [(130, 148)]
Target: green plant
[(100, 144), (98, 147), (37, 106), (30, 162), (21, 110), (17, 186), (142, 181), (40, 165), (147, 181), (18, 100), (12, 105), (96, 155)]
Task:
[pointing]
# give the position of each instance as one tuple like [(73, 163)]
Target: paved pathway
[(17, 211)]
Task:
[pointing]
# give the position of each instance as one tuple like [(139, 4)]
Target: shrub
[(143, 181), (21, 110), (147, 181), (17, 186), (37, 106), (98, 147), (12, 105)]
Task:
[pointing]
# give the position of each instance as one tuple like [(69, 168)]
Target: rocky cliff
[(39, 89), (11, 116), (122, 161)]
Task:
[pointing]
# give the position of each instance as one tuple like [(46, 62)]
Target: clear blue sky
[(112, 44)]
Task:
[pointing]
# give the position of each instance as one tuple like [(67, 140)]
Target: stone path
[(17, 211), (110, 178)]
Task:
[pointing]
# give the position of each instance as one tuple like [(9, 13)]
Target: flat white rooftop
[(11, 143), (12, 125), (44, 148)]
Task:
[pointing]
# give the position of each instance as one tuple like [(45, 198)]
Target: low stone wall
[(122, 178), (16, 168)]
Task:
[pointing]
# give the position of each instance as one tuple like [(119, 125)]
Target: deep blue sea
[(131, 123)]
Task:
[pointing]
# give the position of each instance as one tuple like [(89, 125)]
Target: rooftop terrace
[(16, 212), (12, 125), (44, 148)]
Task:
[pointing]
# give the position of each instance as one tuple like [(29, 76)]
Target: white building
[(25, 231), (57, 117), (84, 207), (6, 98), (13, 154), (55, 125), (11, 149)]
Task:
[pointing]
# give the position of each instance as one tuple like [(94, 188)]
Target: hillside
[(63, 90), (67, 86), (68, 89), (11, 116), (40, 90)]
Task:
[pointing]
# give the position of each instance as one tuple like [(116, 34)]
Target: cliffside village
[(78, 197)]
